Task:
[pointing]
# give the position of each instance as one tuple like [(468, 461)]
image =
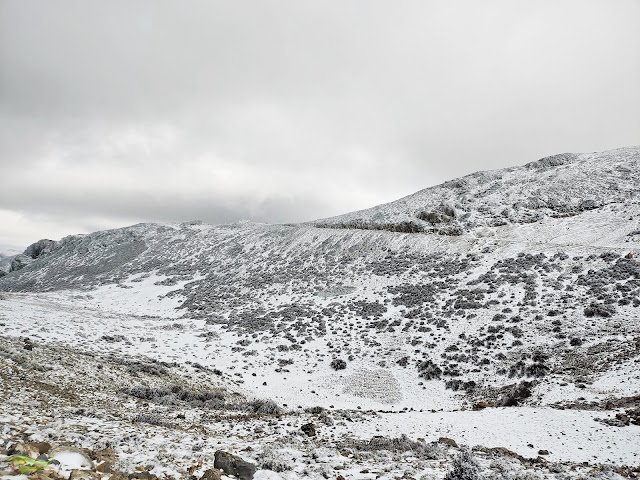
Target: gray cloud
[(117, 112)]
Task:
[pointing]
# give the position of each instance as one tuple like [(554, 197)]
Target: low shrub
[(338, 364), (464, 467)]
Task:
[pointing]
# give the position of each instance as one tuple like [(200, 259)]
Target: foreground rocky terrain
[(496, 310), (134, 417)]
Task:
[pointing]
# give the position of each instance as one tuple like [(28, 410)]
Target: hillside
[(502, 297), (558, 186)]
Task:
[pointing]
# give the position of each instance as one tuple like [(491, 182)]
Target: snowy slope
[(521, 287), (556, 186)]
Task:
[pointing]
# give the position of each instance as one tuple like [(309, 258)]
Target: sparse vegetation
[(464, 467), (338, 364)]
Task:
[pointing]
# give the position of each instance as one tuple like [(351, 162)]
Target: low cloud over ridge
[(114, 113)]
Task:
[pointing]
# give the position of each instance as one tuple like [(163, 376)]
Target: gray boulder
[(234, 465)]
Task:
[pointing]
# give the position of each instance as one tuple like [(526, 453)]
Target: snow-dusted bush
[(515, 394), (174, 394), (464, 467), (399, 444), (429, 476), (525, 475), (428, 370), (276, 460), (268, 407), (607, 472), (151, 419), (505, 470), (152, 367)]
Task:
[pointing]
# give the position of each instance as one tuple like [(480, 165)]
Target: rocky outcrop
[(33, 252), (19, 262), (553, 161), (39, 248)]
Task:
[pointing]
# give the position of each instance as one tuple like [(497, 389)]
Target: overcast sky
[(118, 112)]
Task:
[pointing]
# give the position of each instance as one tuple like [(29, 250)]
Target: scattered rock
[(234, 465), (624, 419), (25, 449), (448, 441), (41, 447), (106, 459), (504, 452), (144, 475), (117, 475), (83, 475), (47, 474), (211, 474), (309, 429)]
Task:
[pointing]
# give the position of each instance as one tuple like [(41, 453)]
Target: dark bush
[(428, 370), (599, 310), (403, 362), (268, 407), (338, 364), (514, 394)]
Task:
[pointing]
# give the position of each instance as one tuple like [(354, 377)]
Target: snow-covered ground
[(96, 322), (533, 303)]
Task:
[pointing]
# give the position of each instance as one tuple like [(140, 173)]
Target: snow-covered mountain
[(517, 287)]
